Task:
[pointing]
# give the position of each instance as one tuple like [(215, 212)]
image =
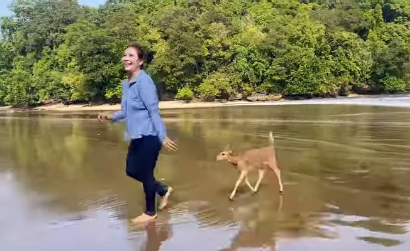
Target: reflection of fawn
[(260, 159), (252, 219)]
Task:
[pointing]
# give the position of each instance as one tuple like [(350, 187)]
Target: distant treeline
[(62, 51)]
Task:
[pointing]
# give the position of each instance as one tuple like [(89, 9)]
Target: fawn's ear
[(227, 147)]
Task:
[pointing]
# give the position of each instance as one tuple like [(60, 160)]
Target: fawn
[(260, 159)]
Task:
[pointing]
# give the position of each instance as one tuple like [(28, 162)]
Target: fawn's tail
[(271, 138)]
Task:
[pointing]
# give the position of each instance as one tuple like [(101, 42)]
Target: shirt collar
[(135, 79)]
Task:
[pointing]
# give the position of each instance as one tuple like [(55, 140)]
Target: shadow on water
[(346, 178)]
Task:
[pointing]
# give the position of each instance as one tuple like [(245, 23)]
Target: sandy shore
[(378, 100), (107, 107)]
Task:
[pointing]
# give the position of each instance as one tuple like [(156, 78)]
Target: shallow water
[(347, 182)]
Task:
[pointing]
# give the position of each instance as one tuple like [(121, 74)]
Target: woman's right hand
[(101, 117), (104, 116)]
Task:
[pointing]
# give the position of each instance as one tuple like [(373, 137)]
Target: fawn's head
[(226, 152)]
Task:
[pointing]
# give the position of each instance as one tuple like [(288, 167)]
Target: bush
[(218, 84), (394, 84), (185, 94)]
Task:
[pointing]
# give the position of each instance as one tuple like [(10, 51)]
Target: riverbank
[(163, 105), (109, 107), (401, 100)]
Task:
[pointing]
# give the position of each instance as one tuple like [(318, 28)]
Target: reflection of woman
[(145, 128), (155, 237)]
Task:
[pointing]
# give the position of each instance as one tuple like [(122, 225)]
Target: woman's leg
[(147, 156), (131, 161), (139, 164)]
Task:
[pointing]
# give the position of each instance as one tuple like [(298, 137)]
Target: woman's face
[(131, 61)]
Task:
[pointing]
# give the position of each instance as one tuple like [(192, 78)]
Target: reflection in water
[(346, 175), (256, 230), (155, 237), (156, 233)]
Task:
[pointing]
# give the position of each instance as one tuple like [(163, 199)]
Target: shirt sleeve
[(120, 115), (148, 94)]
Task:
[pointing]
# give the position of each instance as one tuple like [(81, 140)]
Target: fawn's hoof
[(281, 192), (230, 199)]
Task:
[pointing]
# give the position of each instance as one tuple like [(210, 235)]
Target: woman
[(145, 128)]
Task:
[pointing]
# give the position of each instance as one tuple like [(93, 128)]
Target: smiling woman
[(145, 128)]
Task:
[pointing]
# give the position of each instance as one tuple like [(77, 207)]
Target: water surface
[(347, 181)]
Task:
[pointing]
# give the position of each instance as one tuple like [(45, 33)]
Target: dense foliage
[(59, 50)]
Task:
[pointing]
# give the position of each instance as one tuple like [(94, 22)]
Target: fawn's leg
[(274, 166), (249, 184), (241, 177), (261, 175), (277, 172)]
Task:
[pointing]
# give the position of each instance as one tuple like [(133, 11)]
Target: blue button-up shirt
[(140, 108)]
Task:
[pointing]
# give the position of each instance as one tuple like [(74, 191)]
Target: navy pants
[(141, 160)]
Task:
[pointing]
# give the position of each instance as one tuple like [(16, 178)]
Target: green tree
[(59, 50)]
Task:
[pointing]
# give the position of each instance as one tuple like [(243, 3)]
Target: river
[(346, 178)]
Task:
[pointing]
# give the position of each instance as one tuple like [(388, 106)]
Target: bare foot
[(164, 202), (144, 218)]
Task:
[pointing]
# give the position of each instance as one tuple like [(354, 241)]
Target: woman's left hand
[(169, 144)]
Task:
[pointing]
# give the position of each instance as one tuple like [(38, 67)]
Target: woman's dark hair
[(146, 57)]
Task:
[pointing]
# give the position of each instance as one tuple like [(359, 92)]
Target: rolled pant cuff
[(150, 213)]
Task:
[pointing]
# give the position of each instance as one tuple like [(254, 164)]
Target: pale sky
[(4, 10)]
